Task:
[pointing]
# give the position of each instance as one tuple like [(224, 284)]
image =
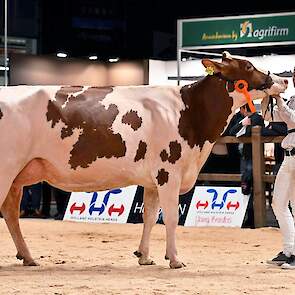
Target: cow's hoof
[(18, 256), (166, 257), (30, 263), (137, 254), (176, 264), (146, 261), (26, 262)]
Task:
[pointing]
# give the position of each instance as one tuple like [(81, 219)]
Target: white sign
[(112, 206), (217, 206)]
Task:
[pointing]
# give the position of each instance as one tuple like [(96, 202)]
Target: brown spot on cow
[(62, 94), (53, 113), (86, 112), (164, 155), (131, 118), (175, 152), (207, 107), (141, 151), (162, 177)]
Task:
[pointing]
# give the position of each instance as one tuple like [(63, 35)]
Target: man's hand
[(246, 121), (279, 100)]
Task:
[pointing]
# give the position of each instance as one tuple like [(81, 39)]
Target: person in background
[(30, 203), (244, 128), (245, 123), (224, 158), (284, 188), (46, 201), (62, 198)]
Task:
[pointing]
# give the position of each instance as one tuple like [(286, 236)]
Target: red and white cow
[(91, 138)]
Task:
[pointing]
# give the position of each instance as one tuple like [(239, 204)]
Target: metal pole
[(5, 45), (201, 52), (179, 26), (178, 66)]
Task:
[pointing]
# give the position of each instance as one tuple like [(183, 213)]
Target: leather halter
[(241, 86)]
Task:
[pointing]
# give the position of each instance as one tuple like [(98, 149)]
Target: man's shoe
[(290, 264), (36, 214), (23, 213), (59, 217), (280, 259)]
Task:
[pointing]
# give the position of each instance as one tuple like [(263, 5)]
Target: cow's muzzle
[(267, 83)]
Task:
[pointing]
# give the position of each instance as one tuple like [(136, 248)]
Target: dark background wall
[(126, 28)]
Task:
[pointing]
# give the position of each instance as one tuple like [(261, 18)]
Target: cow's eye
[(249, 67)]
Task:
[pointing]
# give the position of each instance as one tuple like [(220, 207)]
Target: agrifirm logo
[(247, 31)]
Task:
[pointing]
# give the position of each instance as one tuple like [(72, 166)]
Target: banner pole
[(5, 45)]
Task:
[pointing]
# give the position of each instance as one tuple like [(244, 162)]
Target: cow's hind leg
[(150, 216), (32, 173), (10, 212)]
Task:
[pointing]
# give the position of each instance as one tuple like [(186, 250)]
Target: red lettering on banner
[(220, 220), (77, 208), (120, 210), (203, 219), (234, 205), (200, 204)]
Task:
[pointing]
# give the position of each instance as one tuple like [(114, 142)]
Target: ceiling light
[(3, 68), (93, 57), (61, 54), (114, 59)]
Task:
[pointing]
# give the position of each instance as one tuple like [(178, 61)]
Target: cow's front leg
[(10, 212), (150, 216), (169, 195)]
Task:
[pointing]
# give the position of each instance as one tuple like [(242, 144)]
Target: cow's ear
[(217, 66)]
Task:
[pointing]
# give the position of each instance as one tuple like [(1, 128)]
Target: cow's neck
[(208, 108)]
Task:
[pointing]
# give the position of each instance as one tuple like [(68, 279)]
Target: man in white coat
[(284, 188)]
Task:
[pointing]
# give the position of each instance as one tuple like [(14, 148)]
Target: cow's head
[(260, 83)]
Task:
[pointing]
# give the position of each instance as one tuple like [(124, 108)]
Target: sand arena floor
[(78, 258)]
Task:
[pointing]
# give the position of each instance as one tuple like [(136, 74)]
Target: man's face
[(245, 112)]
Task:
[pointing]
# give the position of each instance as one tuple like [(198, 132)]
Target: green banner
[(238, 30)]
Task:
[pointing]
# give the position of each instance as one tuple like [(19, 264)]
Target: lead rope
[(269, 107), (270, 103)]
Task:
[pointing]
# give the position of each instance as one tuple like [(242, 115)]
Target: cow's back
[(85, 133)]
